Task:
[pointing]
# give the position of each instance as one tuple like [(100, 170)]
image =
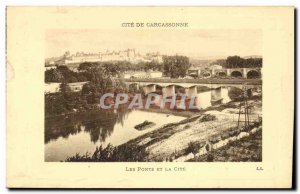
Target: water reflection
[(99, 124), (115, 128)]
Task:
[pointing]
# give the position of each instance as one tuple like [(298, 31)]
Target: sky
[(194, 43)]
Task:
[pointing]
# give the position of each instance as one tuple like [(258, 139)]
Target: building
[(214, 67), (77, 86), (129, 55), (54, 87), (142, 74), (50, 66)]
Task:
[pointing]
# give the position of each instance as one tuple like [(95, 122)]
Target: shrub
[(193, 147), (207, 117), (122, 153), (210, 158), (187, 126)]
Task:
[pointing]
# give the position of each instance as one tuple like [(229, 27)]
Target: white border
[(4, 3)]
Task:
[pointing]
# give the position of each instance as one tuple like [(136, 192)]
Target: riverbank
[(248, 149)]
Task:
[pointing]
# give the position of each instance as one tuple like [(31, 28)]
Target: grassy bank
[(248, 149)]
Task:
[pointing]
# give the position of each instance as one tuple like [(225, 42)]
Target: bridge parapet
[(229, 72)]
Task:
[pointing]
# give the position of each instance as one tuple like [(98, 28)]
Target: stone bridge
[(234, 72), (190, 89)]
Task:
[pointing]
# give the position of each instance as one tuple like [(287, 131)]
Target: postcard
[(150, 97)]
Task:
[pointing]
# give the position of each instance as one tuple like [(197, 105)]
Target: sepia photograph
[(153, 96), (149, 97)]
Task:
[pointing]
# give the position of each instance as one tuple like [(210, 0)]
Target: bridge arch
[(221, 74), (177, 88), (133, 87), (253, 74), (206, 73), (236, 74), (152, 88)]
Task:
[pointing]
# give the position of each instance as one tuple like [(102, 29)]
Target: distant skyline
[(195, 43)]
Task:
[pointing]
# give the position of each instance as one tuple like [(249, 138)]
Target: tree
[(86, 66), (153, 65), (238, 62), (52, 75), (53, 104), (64, 88), (88, 88), (71, 79), (63, 74), (81, 77), (101, 81), (176, 66), (234, 62)]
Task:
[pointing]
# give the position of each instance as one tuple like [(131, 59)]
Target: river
[(103, 132), (82, 133)]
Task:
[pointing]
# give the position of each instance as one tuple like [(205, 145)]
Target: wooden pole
[(239, 115)]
